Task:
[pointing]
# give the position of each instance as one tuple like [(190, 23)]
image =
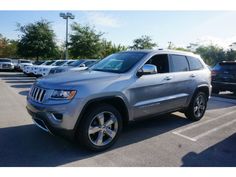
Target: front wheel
[(100, 128), (197, 107)]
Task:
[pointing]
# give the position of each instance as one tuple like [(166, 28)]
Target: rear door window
[(179, 63)]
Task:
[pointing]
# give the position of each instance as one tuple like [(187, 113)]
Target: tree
[(182, 49), (37, 40), (85, 41), (144, 42), (231, 55), (107, 48), (8, 48), (211, 54)]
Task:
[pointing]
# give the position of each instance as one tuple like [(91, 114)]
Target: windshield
[(76, 63), (119, 62), (68, 63), (25, 61), (38, 62), (5, 60), (48, 63), (58, 63)]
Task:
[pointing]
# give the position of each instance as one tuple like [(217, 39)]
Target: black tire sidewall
[(82, 132), (190, 111)]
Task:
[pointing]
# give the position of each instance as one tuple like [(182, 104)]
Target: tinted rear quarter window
[(179, 63), (194, 63)]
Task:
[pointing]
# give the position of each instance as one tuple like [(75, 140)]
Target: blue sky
[(121, 27)]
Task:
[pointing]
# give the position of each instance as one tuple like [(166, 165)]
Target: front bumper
[(7, 68), (46, 116)]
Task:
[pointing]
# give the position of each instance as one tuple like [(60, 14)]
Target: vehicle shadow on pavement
[(12, 74), (27, 145), (21, 86), (20, 81), (216, 104), (24, 92), (221, 154)]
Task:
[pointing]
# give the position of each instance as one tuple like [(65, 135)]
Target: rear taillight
[(213, 72)]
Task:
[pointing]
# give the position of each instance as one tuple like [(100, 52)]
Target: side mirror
[(147, 69), (82, 65)]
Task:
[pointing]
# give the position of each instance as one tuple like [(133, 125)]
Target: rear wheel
[(100, 128), (197, 107)]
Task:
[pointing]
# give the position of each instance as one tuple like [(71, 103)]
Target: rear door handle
[(168, 78), (193, 75)]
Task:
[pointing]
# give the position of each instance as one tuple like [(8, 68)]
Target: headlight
[(63, 94)]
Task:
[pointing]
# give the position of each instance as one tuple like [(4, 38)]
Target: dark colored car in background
[(224, 77)]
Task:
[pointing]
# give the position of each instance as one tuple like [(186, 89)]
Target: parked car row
[(14, 64), (57, 66)]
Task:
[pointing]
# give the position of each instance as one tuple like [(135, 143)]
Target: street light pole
[(66, 54), (67, 16)]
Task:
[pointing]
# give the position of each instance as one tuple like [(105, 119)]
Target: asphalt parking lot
[(168, 140)]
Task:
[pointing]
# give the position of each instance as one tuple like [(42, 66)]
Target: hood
[(26, 64), (73, 78), (78, 68), (49, 66), (63, 67)]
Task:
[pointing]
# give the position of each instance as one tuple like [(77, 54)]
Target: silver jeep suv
[(92, 106)]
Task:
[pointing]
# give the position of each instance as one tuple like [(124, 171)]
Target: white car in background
[(77, 65), (28, 70), (20, 63), (6, 64), (25, 63), (35, 69), (45, 70)]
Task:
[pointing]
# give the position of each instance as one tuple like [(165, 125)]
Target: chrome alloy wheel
[(199, 106), (103, 128)]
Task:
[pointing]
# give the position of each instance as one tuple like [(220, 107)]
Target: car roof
[(164, 51), (228, 62)]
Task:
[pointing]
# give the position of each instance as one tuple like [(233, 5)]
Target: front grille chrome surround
[(37, 94)]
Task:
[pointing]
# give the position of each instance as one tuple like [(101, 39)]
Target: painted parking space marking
[(182, 132)]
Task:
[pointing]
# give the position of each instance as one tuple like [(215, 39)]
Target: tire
[(94, 134), (197, 108)]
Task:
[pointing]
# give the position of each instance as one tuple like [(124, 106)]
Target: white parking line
[(204, 122), (184, 136), (214, 129)]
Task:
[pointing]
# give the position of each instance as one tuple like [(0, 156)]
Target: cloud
[(221, 42), (102, 19)]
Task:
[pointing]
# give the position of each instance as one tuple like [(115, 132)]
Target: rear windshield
[(225, 66), (5, 60)]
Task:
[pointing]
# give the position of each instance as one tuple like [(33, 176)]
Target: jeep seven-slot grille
[(37, 94)]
